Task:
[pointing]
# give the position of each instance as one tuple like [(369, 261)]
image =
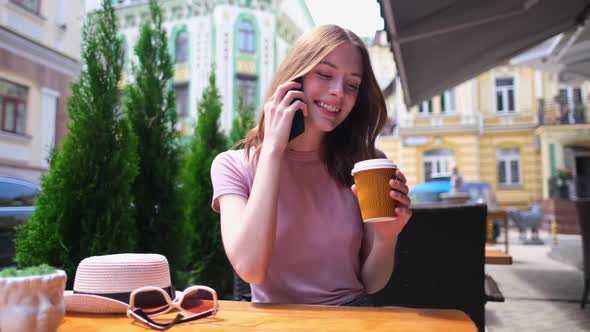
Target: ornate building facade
[(243, 40), (511, 126)]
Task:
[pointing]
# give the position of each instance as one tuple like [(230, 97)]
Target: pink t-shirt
[(316, 257)]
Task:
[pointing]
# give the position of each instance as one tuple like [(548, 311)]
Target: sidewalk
[(542, 287)]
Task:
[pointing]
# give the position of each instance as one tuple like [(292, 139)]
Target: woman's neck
[(310, 140)]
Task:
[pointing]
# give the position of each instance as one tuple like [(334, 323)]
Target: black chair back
[(439, 261), (583, 210)]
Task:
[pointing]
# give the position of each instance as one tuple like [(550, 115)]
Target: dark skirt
[(362, 300)]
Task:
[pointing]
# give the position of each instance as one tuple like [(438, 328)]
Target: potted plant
[(563, 175), (31, 299)]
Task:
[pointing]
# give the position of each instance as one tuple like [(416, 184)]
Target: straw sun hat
[(103, 283)]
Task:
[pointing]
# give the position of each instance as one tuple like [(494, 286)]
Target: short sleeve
[(230, 174)]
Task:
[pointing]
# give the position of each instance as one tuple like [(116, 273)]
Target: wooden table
[(245, 316), (495, 215), (497, 256)]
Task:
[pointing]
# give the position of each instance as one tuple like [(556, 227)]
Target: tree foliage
[(84, 206), (150, 103), (209, 265)]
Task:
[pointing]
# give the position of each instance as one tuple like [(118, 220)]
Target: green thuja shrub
[(150, 104), (209, 265), (243, 122), (84, 206)]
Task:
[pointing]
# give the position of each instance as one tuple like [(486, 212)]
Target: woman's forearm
[(251, 244), (378, 264)]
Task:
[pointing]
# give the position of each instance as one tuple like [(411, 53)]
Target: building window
[(508, 167), (247, 89), (438, 163), (570, 96), (570, 103), (504, 95), (13, 107), (181, 47), (246, 37), (30, 5), (447, 101), (425, 108), (181, 100)]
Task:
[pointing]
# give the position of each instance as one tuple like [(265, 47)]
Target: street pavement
[(542, 287)]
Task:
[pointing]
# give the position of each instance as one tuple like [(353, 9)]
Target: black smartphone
[(297, 128)]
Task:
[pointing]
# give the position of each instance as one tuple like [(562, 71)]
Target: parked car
[(16, 206)]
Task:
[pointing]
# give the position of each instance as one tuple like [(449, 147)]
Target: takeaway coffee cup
[(372, 186)]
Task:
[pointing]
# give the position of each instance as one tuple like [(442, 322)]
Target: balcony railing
[(556, 113), (411, 120)]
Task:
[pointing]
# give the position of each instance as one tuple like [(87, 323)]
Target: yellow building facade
[(39, 59), (504, 127)]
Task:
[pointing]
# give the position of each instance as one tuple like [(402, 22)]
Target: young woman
[(290, 220)]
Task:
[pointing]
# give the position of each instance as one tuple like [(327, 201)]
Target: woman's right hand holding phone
[(249, 225), (279, 111)]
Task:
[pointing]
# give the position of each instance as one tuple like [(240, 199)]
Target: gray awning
[(567, 54), (438, 44)]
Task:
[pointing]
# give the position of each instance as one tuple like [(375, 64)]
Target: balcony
[(521, 118), (562, 113), (411, 123)]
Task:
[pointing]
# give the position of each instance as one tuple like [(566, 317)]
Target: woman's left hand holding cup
[(389, 230)]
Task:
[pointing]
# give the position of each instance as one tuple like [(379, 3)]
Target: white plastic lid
[(372, 164)]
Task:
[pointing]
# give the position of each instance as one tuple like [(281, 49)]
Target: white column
[(538, 85), (224, 17), (60, 19), (474, 96), (267, 32), (48, 113)]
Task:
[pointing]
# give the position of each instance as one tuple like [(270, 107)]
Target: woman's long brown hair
[(354, 139)]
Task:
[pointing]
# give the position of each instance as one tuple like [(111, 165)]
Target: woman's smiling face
[(331, 88)]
